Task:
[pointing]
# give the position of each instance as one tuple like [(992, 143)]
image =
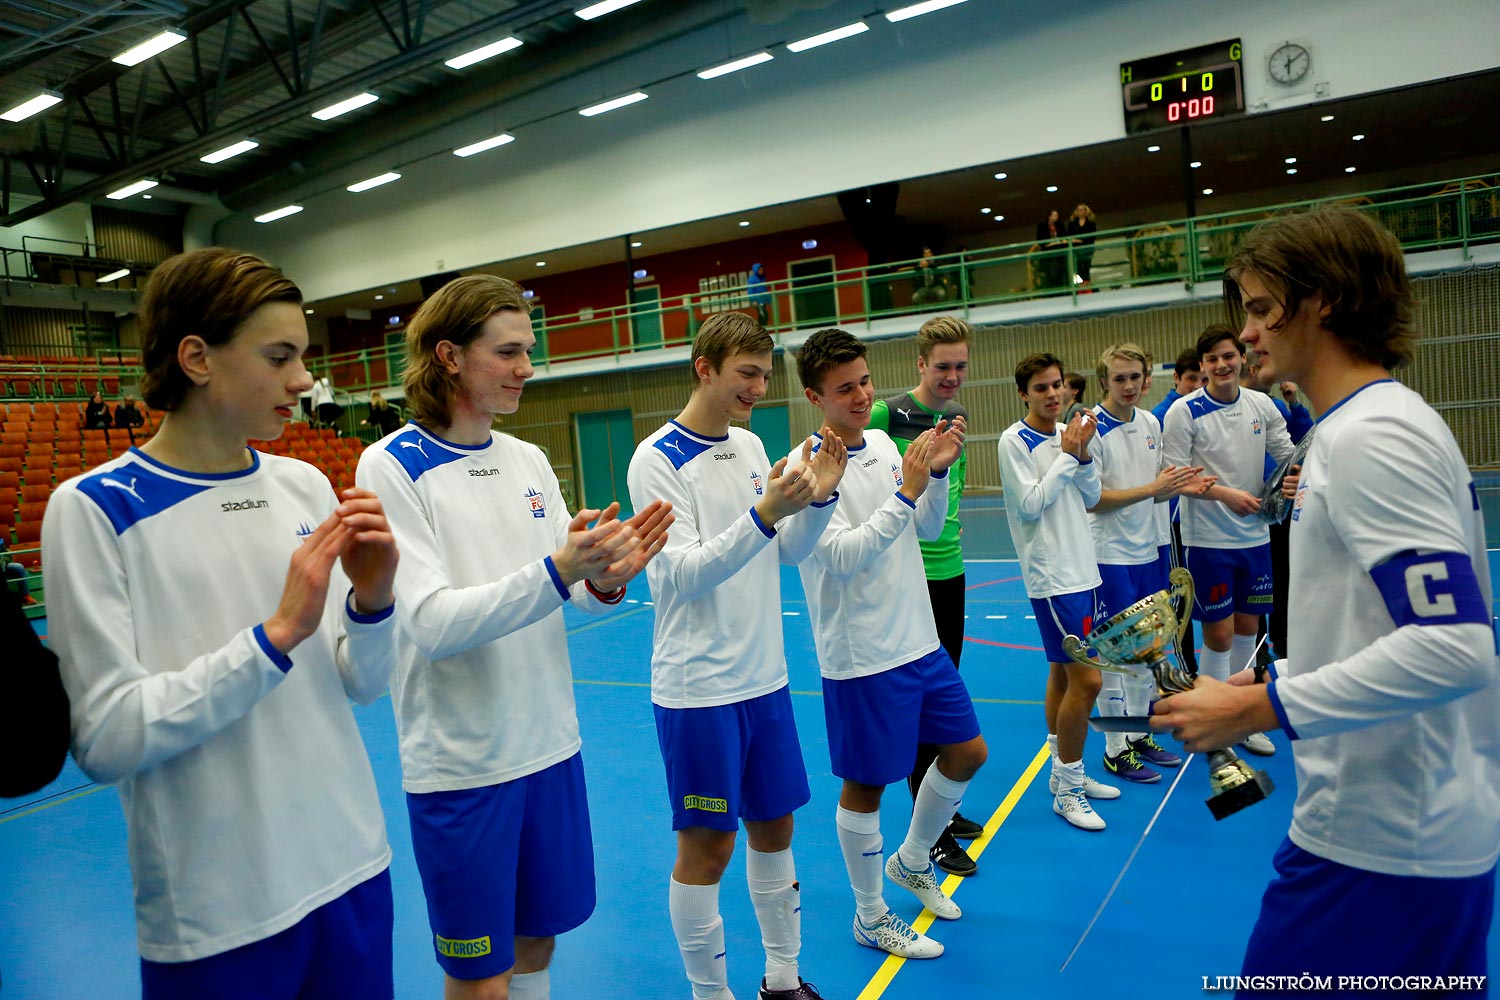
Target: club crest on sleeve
[(760, 487), (896, 474), (536, 502)]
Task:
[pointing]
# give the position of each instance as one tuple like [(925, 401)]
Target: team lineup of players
[(257, 844)]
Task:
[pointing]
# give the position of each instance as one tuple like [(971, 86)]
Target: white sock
[(1140, 692), (1214, 663), (700, 937), (1111, 702), (1068, 776), (862, 847), (778, 908), (1052, 744), (531, 986), (937, 800), (1240, 651)]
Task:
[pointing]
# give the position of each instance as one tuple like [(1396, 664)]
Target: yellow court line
[(54, 802), (892, 964)]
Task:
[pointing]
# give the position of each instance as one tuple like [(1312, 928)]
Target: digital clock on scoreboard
[(1183, 87)]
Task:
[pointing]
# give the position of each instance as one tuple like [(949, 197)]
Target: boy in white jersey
[(1229, 433), (1390, 694), (1050, 481), (888, 684), (718, 672), (1135, 486), (483, 694), (257, 845)]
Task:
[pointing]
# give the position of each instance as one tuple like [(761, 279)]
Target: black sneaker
[(964, 828), (948, 855), (804, 991)]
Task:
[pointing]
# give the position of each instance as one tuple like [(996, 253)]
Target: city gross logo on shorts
[(457, 948), (705, 804)]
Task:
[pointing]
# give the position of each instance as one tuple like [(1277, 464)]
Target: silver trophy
[(1138, 640)]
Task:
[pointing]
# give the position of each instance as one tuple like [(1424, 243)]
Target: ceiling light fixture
[(1359, 137), (308, 311), (636, 245), (603, 7), (345, 106), (1208, 190), (379, 298), (34, 106), (1051, 188), (541, 263), (1348, 170), (1196, 164), (610, 105), (145, 184), (918, 9), (220, 155), (279, 213), (999, 218), (837, 34), (483, 52), (735, 66), (1326, 118), (1291, 170), (373, 182), (1153, 149), (1291, 159), (984, 211), (111, 276), (1001, 176), (150, 47), (744, 223), (484, 144)]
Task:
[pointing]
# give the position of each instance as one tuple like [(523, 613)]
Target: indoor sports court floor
[(1181, 913)]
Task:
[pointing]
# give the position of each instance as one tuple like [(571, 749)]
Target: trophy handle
[(1181, 589), (1077, 648)]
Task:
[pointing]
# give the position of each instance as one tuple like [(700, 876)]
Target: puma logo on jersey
[(121, 486), (905, 414), (674, 446), (415, 444)]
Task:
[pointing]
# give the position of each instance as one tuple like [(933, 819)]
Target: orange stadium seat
[(32, 511), (28, 535), (35, 494), (37, 477)]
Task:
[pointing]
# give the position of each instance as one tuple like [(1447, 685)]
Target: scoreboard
[(1181, 88)]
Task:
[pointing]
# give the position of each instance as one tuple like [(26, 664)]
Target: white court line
[(995, 618), (791, 614), (1031, 618), (1017, 560)]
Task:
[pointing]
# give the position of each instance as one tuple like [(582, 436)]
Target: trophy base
[(1121, 723), (1230, 800)]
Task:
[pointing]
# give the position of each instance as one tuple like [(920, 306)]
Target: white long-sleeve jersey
[(866, 588), (1047, 496), (248, 796), (483, 690), (1128, 454), (1393, 689), (1231, 441), (717, 583)]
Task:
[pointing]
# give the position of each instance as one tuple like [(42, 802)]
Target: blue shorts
[(341, 951), (1230, 580), (1065, 614), (876, 722), (1326, 919), (1122, 586), (732, 762), (483, 854), (1165, 565)]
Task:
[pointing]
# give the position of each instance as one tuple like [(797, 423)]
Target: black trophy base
[(1232, 800), (1121, 724)]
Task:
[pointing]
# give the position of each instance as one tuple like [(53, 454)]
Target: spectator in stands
[(383, 416), (325, 410), (1051, 236), (14, 571), (1081, 229), (931, 282), (96, 414), (760, 298), (1074, 387), (128, 416)]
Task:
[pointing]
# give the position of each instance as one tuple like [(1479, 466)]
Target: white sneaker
[(923, 884), (1074, 807), (893, 935), (1259, 744), (1093, 789)]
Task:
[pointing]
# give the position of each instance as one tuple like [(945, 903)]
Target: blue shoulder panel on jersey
[(1206, 404), (680, 448), (1438, 588), (1032, 438), (132, 492), (417, 454), (1106, 421)]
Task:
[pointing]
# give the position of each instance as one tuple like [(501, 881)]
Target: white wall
[(986, 81), (74, 223)]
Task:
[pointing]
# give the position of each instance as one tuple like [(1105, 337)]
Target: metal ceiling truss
[(138, 137)]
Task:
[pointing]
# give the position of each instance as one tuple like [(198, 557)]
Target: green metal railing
[(1457, 214)]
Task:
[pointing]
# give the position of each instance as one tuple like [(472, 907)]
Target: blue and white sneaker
[(1093, 789), (894, 936), (1128, 765), (1153, 752), (1259, 744), (923, 884), (1074, 807)]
